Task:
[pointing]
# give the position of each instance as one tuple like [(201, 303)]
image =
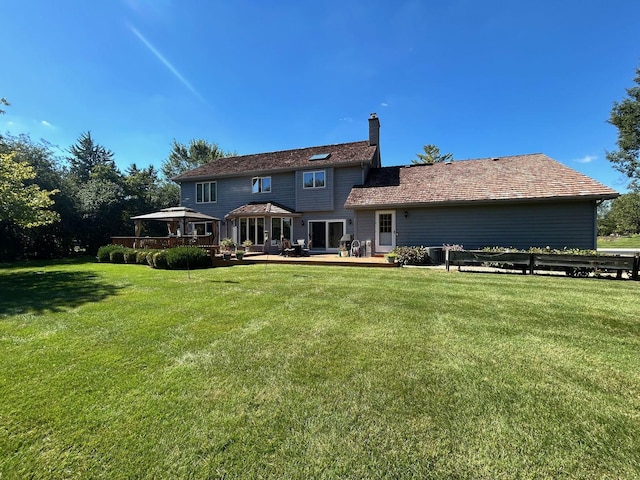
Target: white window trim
[(324, 172), (260, 184), (207, 183)]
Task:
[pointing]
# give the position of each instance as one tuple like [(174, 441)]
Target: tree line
[(54, 205)]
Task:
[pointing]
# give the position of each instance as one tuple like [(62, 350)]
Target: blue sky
[(477, 78)]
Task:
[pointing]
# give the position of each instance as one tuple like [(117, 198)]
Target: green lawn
[(619, 242), (121, 371)]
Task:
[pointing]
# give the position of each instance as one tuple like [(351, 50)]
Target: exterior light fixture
[(406, 214)]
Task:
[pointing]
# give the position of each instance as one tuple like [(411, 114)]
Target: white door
[(385, 231)]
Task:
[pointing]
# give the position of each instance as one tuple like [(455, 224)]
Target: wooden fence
[(574, 265)]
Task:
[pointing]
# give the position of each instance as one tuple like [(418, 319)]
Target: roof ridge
[(330, 145), (474, 160)]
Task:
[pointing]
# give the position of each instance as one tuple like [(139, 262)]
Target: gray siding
[(519, 225), (235, 192), (365, 226), (343, 180), (314, 199)]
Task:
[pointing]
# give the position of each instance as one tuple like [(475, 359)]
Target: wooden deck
[(313, 259)]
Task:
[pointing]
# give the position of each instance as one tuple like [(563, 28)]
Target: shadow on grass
[(40, 291)]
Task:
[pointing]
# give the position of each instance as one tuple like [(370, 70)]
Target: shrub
[(117, 256), (411, 255), (180, 258), (130, 256), (104, 252), (150, 254), (141, 257), (160, 259)]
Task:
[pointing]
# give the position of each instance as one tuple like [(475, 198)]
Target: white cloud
[(586, 159), (346, 119), (384, 104), (46, 124)]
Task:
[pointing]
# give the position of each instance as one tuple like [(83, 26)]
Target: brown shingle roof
[(521, 177), (262, 209), (339, 154)]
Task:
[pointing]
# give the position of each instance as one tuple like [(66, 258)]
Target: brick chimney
[(374, 136)]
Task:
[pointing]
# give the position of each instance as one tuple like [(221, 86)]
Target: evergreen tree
[(431, 155)]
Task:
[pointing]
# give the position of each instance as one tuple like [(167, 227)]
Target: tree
[(87, 156), (21, 202), (186, 157), (46, 241), (625, 116), (624, 214), (431, 155), (3, 101)]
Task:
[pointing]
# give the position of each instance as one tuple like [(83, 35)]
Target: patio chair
[(287, 249), (305, 252)]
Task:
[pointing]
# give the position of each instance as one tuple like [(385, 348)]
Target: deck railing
[(165, 242)]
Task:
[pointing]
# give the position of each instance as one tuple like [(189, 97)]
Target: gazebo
[(181, 227)]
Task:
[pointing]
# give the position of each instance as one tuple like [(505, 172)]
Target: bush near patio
[(104, 252), (181, 258), (177, 258), (411, 255)]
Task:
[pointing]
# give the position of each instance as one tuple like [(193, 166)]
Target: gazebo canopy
[(270, 209), (172, 214)]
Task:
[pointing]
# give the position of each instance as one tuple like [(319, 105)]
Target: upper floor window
[(261, 185), (206, 192), (313, 179)]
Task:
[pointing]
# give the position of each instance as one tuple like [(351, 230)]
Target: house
[(318, 194)]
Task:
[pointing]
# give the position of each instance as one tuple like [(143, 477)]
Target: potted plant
[(239, 254), (342, 251), (226, 245), (391, 257), (247, 244)]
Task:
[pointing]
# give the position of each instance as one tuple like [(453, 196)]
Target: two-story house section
[(291, 194), (319, 194)]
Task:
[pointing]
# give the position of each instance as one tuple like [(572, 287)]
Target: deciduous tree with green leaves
[(625, 116), (21, 202), (431, 155), (624, 214), (186, 157)]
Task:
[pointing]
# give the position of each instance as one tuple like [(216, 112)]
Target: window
[(201, 228), (313, 179), (206, 192), (319, 156), (261, 184), (281, 228), (251, 229)]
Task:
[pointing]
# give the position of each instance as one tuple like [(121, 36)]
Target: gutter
[(500, 201)]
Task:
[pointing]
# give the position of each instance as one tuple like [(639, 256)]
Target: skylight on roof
[(320, 156)]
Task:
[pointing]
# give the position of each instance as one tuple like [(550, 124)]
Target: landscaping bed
[(573, 263)]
